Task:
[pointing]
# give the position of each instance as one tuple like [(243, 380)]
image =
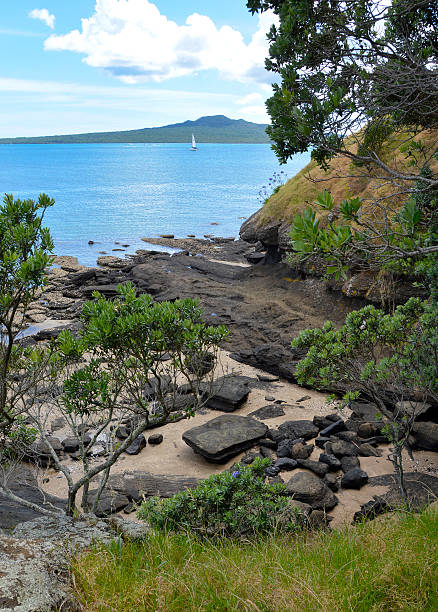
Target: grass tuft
[(384, 565)]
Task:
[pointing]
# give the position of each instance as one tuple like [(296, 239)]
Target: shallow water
[(110, 193)]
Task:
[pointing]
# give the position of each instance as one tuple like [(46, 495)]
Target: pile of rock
[(291, 445)]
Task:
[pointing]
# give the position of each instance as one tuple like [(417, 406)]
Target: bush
[(238, 504)]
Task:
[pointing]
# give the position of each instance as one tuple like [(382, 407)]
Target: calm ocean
[(121, 192)]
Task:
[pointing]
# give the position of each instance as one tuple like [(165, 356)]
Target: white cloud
[(35, 108), (251, 99), (135, 42), (255, 113), (43, 15)]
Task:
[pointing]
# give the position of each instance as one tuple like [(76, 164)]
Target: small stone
[(286, 464), (333, 462), (155, 439), (137, 445), (303, 399), (269, 398), (272, 471), (318, 468), (301, 451)]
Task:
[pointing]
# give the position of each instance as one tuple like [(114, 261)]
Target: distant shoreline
[(216, 129)]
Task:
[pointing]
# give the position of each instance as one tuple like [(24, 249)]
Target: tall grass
[(389, 564)]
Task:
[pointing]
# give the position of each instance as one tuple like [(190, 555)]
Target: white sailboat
[(194, 147)]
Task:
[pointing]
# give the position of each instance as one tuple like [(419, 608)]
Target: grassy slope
[(389, 564), (302, 189), (225, 131)]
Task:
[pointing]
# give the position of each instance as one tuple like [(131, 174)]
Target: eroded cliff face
[(272, 245), (268, 228)]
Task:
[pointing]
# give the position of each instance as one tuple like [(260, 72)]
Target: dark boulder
[(354, 479), (266, 442), (286, 464), (321, 442), (224, 437), (201, 365), (255, 257), (275, 435), (333, 428), (331, 461), (226, 393), (301, 451), (308, 488), (368, 430), (110, 502), (284, 449), (137, 445), (331, 480), (299, 429), (341, 448), (366, 450), (155, 439), (349, 462), (321, 422), (318, 468)]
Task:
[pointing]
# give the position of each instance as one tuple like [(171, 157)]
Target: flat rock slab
[(227, 393), (268, 412), (309, 489), (224, 437)]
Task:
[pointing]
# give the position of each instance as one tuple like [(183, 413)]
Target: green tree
[(345, 65), (25, 247), (131, 365), (391, 359), (356, 78)]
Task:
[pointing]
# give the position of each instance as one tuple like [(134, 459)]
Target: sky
[(102, 65)]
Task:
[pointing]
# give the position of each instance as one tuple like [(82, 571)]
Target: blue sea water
[(112, 193)]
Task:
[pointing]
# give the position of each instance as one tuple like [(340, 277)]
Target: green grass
[(390, 564)]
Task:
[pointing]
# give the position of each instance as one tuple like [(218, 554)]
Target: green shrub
[(238, 504)]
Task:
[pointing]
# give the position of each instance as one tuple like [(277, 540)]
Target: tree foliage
[(128, 366), (25, 247), (236, 504), (346, 66)]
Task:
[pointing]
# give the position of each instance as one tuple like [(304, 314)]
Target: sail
[(193, 142)]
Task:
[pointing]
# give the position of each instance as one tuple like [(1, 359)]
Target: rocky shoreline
[(334, 465)]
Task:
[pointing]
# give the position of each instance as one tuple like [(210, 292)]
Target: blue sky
[(95, 65)]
